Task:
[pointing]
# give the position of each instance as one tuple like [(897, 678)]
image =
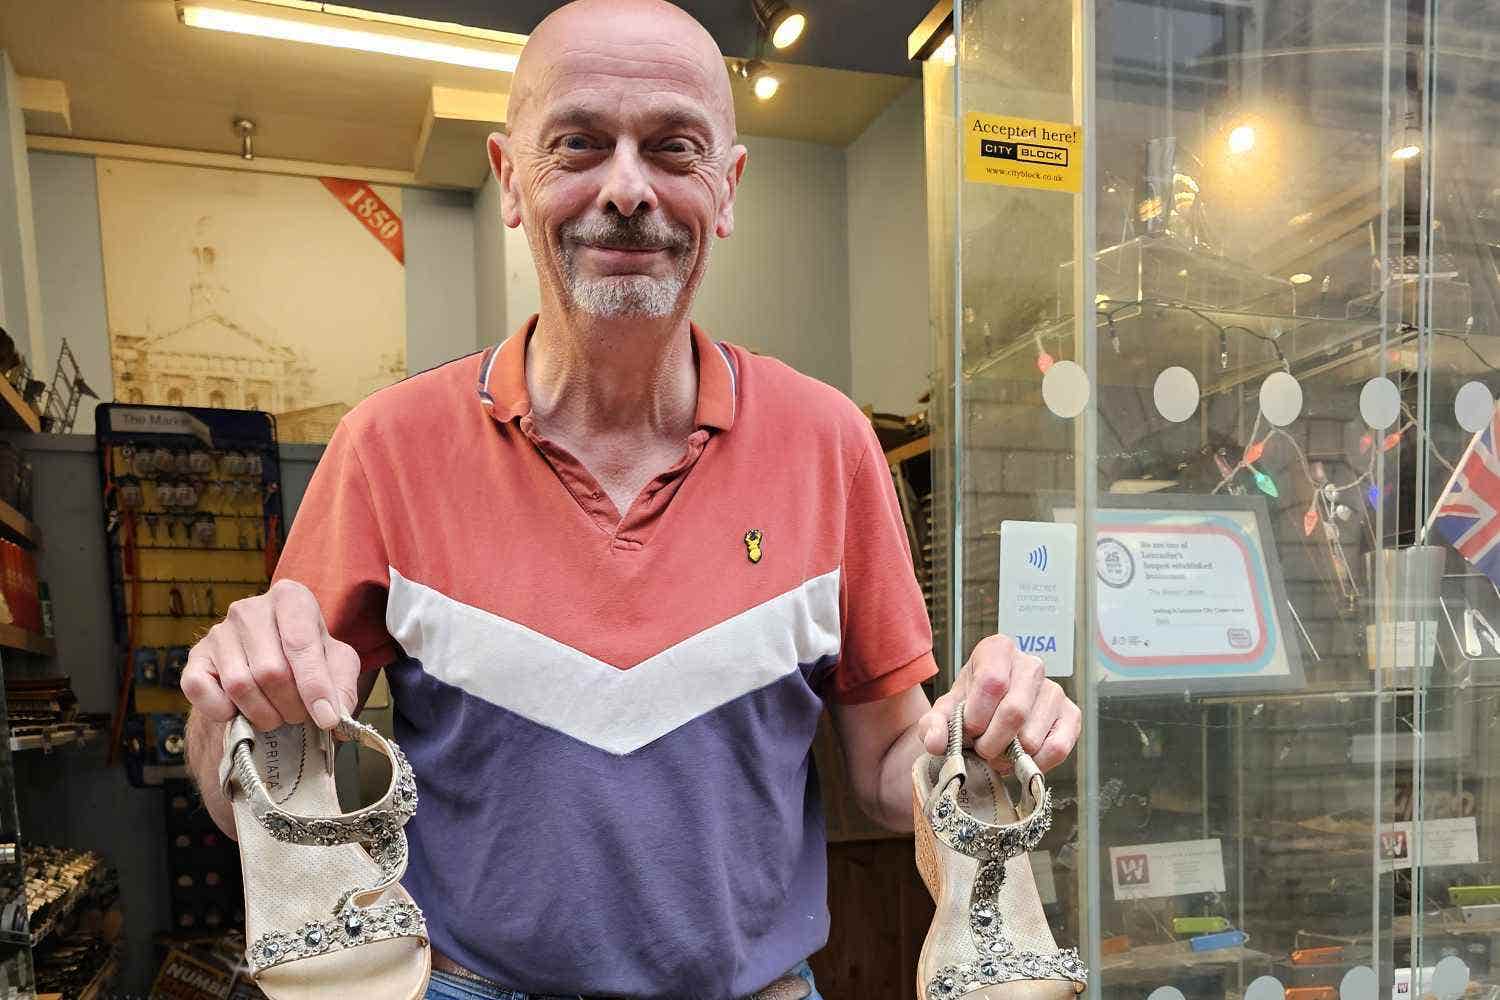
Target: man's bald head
[(632, 31)]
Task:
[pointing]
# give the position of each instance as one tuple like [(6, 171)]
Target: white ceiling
[(135, 75)]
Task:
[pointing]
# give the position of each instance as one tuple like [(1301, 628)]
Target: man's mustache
[(632, 232)]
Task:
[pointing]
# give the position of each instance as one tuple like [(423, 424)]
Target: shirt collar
[(502, 379)]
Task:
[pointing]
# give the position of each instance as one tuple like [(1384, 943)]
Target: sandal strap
[(353, 926), (970, 835), (374, 823)]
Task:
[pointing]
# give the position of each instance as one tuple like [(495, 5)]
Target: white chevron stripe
[(557, 686)]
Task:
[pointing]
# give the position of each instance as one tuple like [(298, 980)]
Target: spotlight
[(783, 22), (1409, 146), (1242, 140), (762, 81), (1300, 278)]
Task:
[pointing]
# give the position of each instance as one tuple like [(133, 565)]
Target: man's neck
[(597, 379)]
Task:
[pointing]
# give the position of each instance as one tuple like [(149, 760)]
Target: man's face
[(622, 170)]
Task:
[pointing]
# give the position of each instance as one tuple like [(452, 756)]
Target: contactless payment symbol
[(1114, 563), (1037, 558)]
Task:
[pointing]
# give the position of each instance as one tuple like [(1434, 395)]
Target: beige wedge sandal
[(989, 939), (325, 913)]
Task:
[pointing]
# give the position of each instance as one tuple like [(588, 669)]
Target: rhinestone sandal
[(989, 939), (325, 913)]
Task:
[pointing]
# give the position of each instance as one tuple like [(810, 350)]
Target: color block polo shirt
[(611, 717)]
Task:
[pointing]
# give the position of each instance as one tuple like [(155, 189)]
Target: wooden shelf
[(13, 637), (15, 415), (14, 524), (96, 988), (911, 449), (55, 737)]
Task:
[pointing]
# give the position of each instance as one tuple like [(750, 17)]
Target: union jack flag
[(1468, 514)]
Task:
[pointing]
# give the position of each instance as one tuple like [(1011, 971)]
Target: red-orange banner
[(368, 207)]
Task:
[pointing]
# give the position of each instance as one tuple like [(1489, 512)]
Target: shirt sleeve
[(335, 549), (887, 640)]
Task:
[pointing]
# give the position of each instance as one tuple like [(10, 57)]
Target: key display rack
[(193, 522)]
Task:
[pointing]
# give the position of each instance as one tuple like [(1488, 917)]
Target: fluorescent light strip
[(290, 30)]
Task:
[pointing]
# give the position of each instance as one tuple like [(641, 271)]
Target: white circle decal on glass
[(1065, 389), (1473, 406), (1450, 978), (1176, 394), (1359, 983), (1265, 988), (1281, 402), (1380, 403), (1166, 993)]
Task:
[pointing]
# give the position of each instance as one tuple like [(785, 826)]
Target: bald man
[(614, 570)]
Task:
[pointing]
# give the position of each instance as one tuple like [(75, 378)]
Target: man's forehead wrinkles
[(589, 61)]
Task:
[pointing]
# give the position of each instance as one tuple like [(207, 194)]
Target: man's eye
[(577, 143), (676, 146)]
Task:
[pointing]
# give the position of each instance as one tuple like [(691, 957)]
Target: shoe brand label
[(1177, 868), (1037, 590)]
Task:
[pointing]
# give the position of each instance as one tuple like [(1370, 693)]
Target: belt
[(788, 987)]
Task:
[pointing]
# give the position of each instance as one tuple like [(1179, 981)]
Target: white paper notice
[(1038, 567), (1402, 643), (1041, 870), (1444, 842), (1179, 868)]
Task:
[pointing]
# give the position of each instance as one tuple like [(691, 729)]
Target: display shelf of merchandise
[(65, 907), (15, 415), (15, 637), (17, 526), (55, 736)]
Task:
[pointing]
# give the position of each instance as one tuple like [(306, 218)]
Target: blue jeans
[(446, 987)]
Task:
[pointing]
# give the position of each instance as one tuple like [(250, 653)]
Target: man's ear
[(504, 166), (724, 224)]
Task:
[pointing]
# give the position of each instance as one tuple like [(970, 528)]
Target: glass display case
[(1215, 282)]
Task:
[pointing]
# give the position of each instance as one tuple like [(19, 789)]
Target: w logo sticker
[(1132, 869), (1037, 558)]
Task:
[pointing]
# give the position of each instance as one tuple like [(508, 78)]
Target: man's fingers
[(934, 725), (343, 666), (303, 645), (200, 683), (238, 680), (1019, 704), (254, 622), (1061, 740), (991, 665), (1049, 707)]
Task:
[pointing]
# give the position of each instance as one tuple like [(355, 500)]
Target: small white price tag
[(1177, 868), (1038, 565)]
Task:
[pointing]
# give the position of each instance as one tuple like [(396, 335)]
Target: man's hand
[(1006, 695), (273, 661)]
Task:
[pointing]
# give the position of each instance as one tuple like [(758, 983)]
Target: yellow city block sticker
[(1023, 152)]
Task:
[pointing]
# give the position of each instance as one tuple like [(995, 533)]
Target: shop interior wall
[(888, 320)]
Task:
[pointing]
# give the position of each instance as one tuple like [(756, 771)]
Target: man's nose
[(627, 184)]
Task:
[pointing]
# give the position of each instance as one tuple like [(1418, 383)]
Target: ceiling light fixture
[(323, 29), (762, 81), (1300, 278), (781, 21), (1242, 140), (948, 51)]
